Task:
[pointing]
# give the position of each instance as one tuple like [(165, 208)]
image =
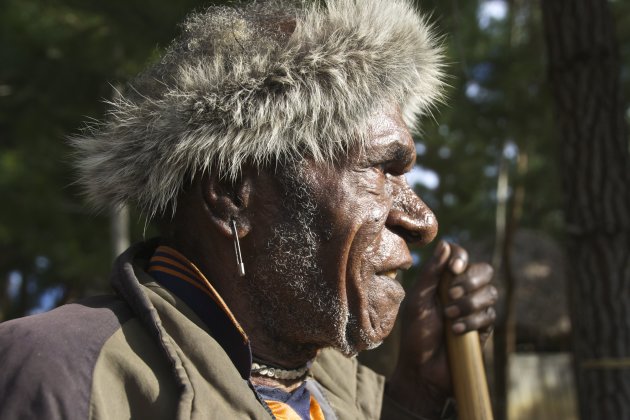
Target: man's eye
[(382, 169), (390, 168)]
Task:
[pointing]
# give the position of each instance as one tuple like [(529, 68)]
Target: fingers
[(478, 321), (469, 294), (441, 255), (472, 298), (431, 272), (458, 259), (477, 276), (446, 257)]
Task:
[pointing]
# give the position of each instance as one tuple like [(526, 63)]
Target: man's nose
[(411, 218)]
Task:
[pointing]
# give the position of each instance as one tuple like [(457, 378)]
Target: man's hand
[(421, 381)]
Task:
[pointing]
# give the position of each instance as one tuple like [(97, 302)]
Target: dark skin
[(370, 216)]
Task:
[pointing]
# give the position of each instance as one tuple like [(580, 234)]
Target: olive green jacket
[(143, 353)]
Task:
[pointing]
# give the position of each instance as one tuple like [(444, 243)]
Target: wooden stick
[(467, 372)]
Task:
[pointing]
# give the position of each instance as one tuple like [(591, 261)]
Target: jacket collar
[(178, 275)]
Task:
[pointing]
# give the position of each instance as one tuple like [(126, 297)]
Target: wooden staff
[(467, 371)]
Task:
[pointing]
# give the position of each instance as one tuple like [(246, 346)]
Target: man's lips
[(391, 270), (390, 273)]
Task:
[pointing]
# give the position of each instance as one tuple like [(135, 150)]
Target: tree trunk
[(584, 71), (499, 258), (505, 327)]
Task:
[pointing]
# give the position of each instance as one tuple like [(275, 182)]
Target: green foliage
[(58, 61), (497, 105)]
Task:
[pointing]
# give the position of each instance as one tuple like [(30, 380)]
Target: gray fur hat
[(258, 83)]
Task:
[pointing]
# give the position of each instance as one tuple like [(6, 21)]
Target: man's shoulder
[(79, 324), (48, 359)]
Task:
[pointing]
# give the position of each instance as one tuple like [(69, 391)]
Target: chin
[(381, 313), (372, 346), (357, 338), (353, 350), (367, 326)]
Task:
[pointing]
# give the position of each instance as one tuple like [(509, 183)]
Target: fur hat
[(258, 83)]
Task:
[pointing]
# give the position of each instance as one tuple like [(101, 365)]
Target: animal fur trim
[(260, 83)]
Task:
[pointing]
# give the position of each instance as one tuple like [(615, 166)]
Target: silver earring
[(237, 249)]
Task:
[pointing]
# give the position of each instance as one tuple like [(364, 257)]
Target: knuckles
[(480, 273), (479, 296), (475, 277)]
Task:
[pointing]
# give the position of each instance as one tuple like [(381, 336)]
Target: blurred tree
[(497, 115), (57, 60), (499, 109), (584, 67)]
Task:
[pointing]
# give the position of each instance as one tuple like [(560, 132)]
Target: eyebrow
[(399, 152)]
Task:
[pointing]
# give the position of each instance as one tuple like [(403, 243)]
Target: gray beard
[(290, 262)]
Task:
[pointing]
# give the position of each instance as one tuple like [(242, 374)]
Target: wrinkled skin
[(374, 215), (370, 211), (366, 216)]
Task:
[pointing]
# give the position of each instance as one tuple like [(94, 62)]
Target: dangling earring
[(237, 249)]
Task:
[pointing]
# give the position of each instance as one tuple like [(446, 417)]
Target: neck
[(282, 377), (287, 385), (268, 347), (266, 343)]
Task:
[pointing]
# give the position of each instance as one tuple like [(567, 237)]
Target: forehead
[(388, 140), (388, 135)]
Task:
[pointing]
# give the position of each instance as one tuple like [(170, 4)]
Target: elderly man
[(270, 144)]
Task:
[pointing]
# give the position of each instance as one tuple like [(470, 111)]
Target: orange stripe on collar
[(197, 278)]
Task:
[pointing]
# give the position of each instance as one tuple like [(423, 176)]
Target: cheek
[(380, 296), (371, 228), (374, 243), (364, 225)]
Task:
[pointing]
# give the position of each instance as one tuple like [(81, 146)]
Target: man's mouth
[(391, 274)]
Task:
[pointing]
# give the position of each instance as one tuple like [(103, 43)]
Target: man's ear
[(227, 200)]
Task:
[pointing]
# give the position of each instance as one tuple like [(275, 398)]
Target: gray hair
[(258, 83)]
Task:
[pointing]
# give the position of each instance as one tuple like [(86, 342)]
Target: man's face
[(328, 273)]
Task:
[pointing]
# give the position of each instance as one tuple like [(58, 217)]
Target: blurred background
[(526, 164)]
